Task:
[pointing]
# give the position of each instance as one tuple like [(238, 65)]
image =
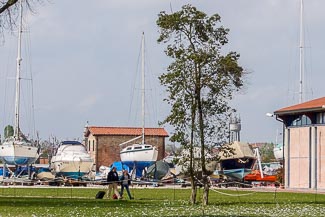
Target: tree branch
[(8, 4)]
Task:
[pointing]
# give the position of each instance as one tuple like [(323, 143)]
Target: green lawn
[(63, 201)]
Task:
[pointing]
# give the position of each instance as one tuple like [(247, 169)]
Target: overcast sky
[(84, 59)]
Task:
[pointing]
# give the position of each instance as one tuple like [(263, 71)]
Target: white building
[(304, 144)]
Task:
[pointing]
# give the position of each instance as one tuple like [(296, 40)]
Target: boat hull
[(71, 161), (71, 168), (236, 160), (145, 155), (238, 163), (138, 166), (139, 156), (18, 153), (278, 152), (236, 173), (256, 176)]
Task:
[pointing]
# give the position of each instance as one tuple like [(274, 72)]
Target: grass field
[(63, 201)]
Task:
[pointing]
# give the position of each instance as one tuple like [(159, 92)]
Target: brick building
[(103, 143), (304, 144)]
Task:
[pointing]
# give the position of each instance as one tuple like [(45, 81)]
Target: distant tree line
[(266, 152)]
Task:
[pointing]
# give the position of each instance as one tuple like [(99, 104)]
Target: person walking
[(125, 182), (112, 180)]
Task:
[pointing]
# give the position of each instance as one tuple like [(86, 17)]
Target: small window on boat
[(138, 147), (147, 146), (129, 148)]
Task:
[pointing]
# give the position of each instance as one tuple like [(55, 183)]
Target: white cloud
[(88, 102)]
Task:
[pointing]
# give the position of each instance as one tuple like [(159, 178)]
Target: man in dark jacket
[(112, 180)]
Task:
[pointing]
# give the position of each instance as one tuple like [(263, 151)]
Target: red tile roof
[(130, 131), (313, 105)]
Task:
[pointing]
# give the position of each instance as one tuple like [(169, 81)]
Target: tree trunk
[(192, 162), (194, 191), (205, 199), (202, 140)]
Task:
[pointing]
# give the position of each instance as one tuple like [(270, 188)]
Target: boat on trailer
[(71, 160), (18, 149), (138, 157), (237, 160)]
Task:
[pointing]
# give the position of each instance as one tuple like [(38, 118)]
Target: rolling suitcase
[(100, 194)]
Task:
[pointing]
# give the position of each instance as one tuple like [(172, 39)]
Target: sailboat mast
[(301, 56), (18, 77), (143, 87)]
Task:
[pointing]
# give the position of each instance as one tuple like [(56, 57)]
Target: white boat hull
[(278, 152), (139, 155), (70, 166), (71, 161), (18, 153)]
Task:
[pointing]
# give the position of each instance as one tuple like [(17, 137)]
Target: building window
[(302, 120), (93, 145), (296, 122), (320, 118), (88, 145)]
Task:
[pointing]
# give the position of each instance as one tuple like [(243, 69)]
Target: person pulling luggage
[(112, 180)]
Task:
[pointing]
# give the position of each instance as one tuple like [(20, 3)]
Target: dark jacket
[(128, 178), (112, 177)]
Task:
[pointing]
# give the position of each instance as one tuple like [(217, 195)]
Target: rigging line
[(301, 56), (170, 6), (132, 95), (311, 73), (24, 94), (292, 96), (29, 59), (132, 92), (8, 104), (152, 98), (5, 86), (156, 96), (5, 96), (308, 61)]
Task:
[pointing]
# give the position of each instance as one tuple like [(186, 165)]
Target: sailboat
[(140, 155), (279, 148), (17, 149)]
